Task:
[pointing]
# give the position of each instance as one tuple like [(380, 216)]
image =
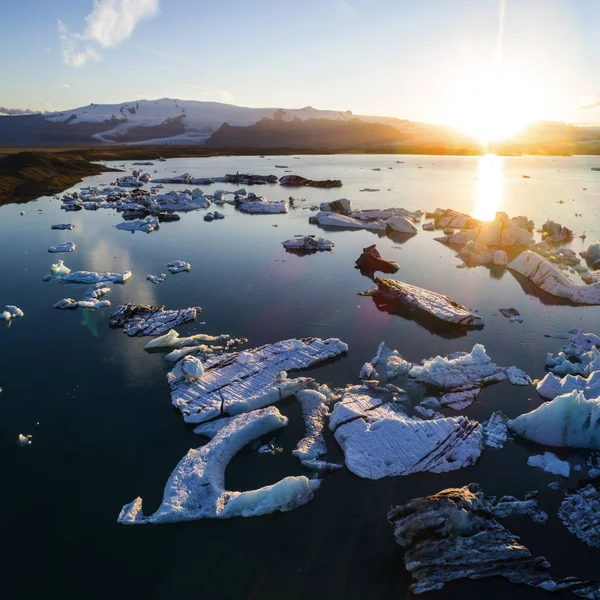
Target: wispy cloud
[(590, 102), (109, 23), (202, 92), (5, 110)]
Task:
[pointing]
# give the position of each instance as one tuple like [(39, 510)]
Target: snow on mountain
[(191, 121)]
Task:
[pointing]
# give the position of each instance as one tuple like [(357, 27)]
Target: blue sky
[(386, 57)]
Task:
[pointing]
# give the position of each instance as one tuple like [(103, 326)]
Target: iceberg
[(144, 319), (156, 279), (179, 266), (455, 534), (258, 205), (550, 463), (402, 225), (308, 243), (579, 513), (147, 225), (552, 386), (495, 430), (379, 440), (569, 420), (232, 386), (333, 219), (196, 488), (371, 260), (64, 247), (91, 277), (59, 269), (554, 233), (67, 226), (314, 411), (592, 255), (24, 440), (342, 206), (11, 312), (549, 278), (385, 365), (436, 305), (66, 304)]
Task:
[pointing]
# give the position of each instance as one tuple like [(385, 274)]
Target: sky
[(424, 60)]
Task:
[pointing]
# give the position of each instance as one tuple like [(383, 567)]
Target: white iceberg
[(188, 368), (145, 319), (552, 386), (385, 365), (550, 463), (314, 411), (24, 440), (59, 269), (179, 266), (67, 226), (308, 243), (495, 430), (196, 488), (147, 225), (64, 247), (91, 277), (11, 312), (258, 205), (332, 219), (156, 279)]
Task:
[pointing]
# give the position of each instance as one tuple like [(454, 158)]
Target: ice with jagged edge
[(156, 279), (580, 512), (239, 382), (179, 266), (91, 299), (550, 463), (146, 225), (552, 386), (11, 312), (379, 440), (258, 204), (387, 364), (64, 247), (196, 488), (308, 243), (63, 226), (333, 219), (552, 280), (570, 420), (200, 344), (145, 319), (495, 430)]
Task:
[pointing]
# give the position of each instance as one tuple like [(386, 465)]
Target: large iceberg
[(196, 488), (549, 278), (144, 319), (455, 534), (379, 440), (431, 303), (239, 382), (552, 386), (569, 420)]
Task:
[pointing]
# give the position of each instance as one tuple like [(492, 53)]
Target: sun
[(491, 104)]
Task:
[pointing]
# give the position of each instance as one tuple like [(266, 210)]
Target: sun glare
[(488, 190), (492, 104)]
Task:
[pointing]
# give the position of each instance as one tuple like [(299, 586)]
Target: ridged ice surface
[(455, 534), (379, 440), (263, 206), (437, 305), (64, 247), (314, 412), (243, 381), (552, 386), (144, 319), (580, 514), (495, 430), (196, 488), (91, 277)]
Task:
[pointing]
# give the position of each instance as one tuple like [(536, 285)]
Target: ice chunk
[(11, 312), (232, 387), (144, 319), (371, 260), (579, 513), (401, 224), (461, 397), (552, 386), (66, 304), (308, 243), (549, 278), (495, 431), (455, 534), (156, 278), (59, 269), (196, 488), (437, 305), (379, 440), (314, 411), (67, 226), (260, 205), (91, 277), (550, 463), (24, 440), (147, 225), (64, 247), (332, 219), (569, 420), (385, 365), (342, 206), (178, 266), (553, 232), (592, 255), (189, 367)]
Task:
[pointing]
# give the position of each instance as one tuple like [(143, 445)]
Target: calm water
[(104, 431)]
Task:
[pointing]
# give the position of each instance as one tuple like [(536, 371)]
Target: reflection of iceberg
[(488, 191)]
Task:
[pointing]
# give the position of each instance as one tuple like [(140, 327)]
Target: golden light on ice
[(488, 189)]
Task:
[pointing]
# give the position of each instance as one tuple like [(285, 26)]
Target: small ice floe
[(144, 319), (129, 181), (24, 440), (91, 299), (343, 206), (370, 261), (230, 386), (92, 277), (142, 163), (569, 420), (259, 205), (550, 463), (462, 375), (369, 190), (67, 226), (552, 280), (188, 368), (59, 269), (495, 430), (428, 226), (308, 244), (156, 279), (146, 225), (196, 488), (269, 448), (214, 216), (171, 339), (11, 312), (554, 233), (431, 303), (387, 364), (66, 304), (592, 255), (580, 512), (332, 219), (591, 278), (179, 266), (64, 247), (455, 534), (298, 181), (552, 386), (380, 440)]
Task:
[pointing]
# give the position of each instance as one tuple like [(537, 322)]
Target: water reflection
[(488, 191)]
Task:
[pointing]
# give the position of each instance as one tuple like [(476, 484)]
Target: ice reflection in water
[(488, 191)]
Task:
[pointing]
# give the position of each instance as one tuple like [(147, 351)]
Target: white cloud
[(109, 23)]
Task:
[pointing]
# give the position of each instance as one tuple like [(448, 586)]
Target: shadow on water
[(544, 297)]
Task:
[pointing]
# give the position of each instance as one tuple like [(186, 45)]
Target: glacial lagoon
[(97, 405)]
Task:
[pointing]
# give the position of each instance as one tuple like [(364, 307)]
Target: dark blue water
[(104, 431)]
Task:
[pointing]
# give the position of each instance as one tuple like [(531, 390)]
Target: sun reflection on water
[(488, 191)]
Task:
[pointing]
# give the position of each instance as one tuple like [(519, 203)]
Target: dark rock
[(370, 261)]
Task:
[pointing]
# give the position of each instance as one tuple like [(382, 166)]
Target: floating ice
[(24, 440), (196, 488), (592, 255), (385, 365), (314, 410), (579, 513), (68, 226), (308, 243), (553, 232), (147, 225), (258, 204), (550, 463), (495, 431), (342, 206), (179, 266), (144, 319), (64, 247), (189, 367), (455, 534), (549, 278), (91, 277), (156, 279), (66, 304), (230, 386), (569, 420), (59, 269), (332, 219), (379, 440), (436, 305), (552, 386), (11, 312), (371, 260)]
